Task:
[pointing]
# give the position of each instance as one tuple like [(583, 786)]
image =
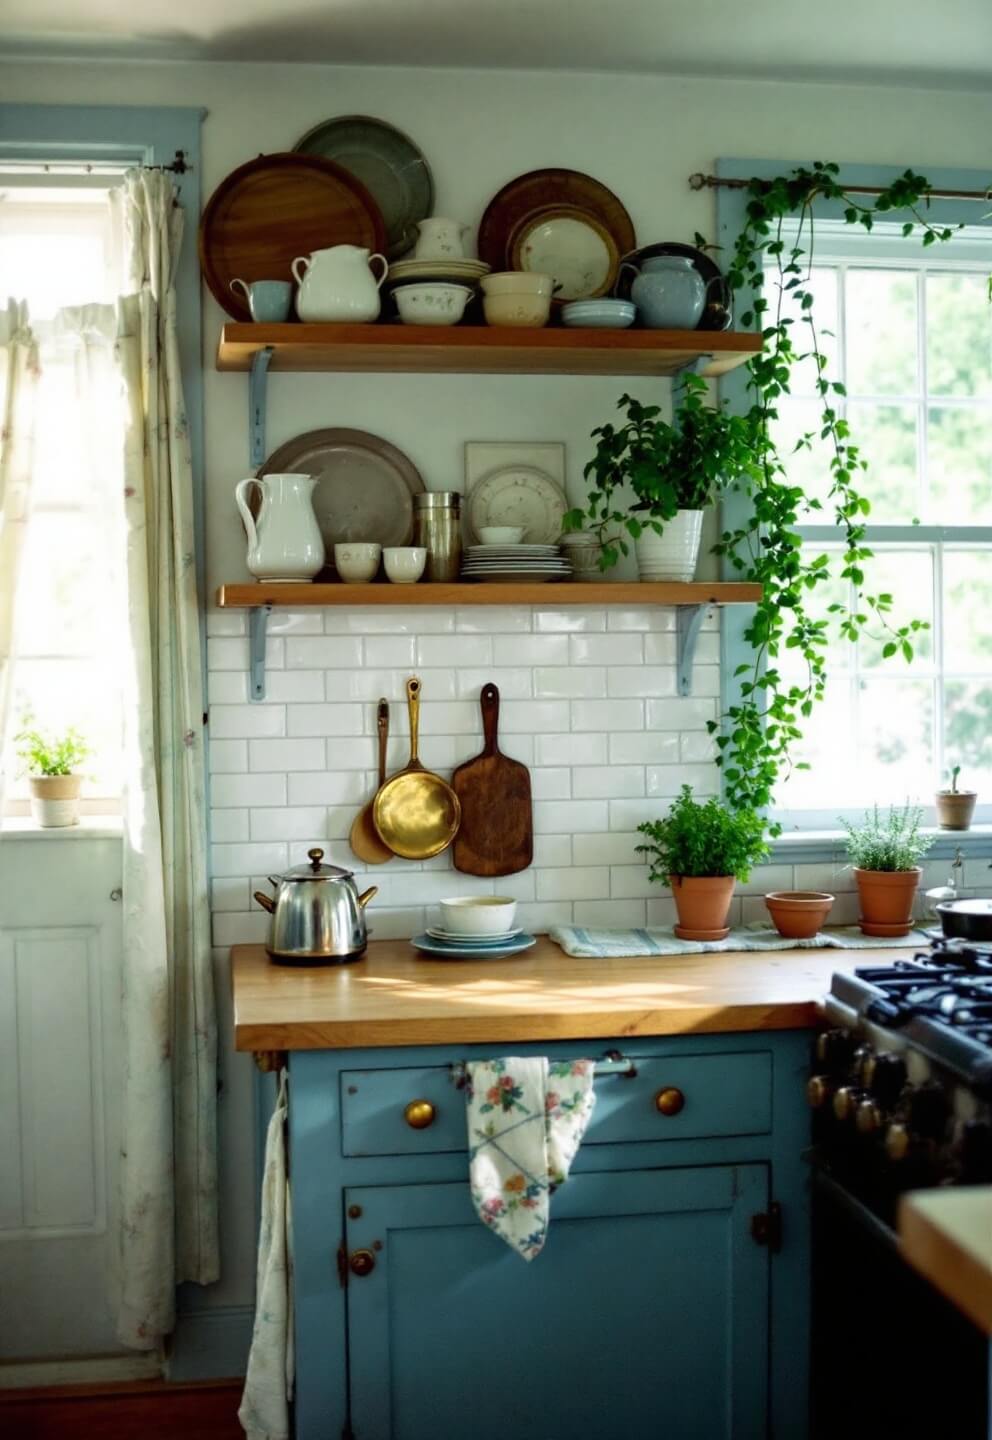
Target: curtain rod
[(699, 181), (179, 166)]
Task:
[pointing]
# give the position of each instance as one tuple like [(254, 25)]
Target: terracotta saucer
[(888, 931), (684, 934)]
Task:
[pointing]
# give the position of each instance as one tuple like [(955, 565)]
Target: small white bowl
[(502, 534), (357, 563), (478, 914), (431, 304), (404, 563)]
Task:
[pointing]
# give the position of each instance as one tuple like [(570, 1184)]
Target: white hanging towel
[(264, 1410), (526, 1119)]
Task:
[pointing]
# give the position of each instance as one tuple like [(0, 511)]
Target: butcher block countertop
[(947, 1235), (395, 997)]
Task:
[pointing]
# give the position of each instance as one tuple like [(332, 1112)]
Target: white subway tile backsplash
[(682, 713), (228, 687), (313, 652), (530, 717), (227, 654), (610, 848), (454, 650), (530, 650), (248, 928), (632, 882), (570, 749), (552, 851), (248, 790), (660, 648), (228, 860), (389, 651), (607, 715), (229, 825), (282, 686), (493, 620), (226, 622), (336, 787), (289, 822), (618, 914), (624, 680), (247, 722), (832, 878), (569, 622), (295, 622), (607, 782), (229, 894), (382, 620), (570, 682), (655, 617), (328, 719), (228, 756), (667, 780), (545, 915), (765, 878), (286, 754), (468, 683), (573, 883), (696, 745), (628, 814), (551, 784), (653, 747), (358, 752), (662, 912), (565, 817), (606, 649)]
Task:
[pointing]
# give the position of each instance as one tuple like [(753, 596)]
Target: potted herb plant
[(886, 855), (674, 470), (701, 849), (955, 807), (51, 762)]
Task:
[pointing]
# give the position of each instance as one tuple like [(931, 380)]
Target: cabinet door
[(646, 1314)]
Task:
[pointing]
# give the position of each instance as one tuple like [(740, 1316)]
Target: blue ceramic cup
[(269, 301)]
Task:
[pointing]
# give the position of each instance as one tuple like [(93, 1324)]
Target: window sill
[(827, 846), (90, 827)]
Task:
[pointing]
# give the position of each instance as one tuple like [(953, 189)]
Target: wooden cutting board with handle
[(496, 836)]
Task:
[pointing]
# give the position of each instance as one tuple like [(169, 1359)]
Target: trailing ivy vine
[(756, 736)]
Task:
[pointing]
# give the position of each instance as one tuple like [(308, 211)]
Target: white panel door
[(60, 978)]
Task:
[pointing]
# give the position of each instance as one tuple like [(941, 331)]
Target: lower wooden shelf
[(294, 595)]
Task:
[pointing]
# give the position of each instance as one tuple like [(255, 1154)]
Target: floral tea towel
[(526, 1118)]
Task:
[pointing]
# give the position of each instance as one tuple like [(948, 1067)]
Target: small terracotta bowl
[(798, 914)]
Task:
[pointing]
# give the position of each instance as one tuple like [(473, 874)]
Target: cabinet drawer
[(705, 1096)]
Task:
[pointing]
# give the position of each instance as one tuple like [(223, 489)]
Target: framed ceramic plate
[(542, 196), (519, 495), (387, 163), (577, 251), (366, 486), (719, 311)]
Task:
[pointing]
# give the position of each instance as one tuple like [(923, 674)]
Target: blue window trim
[(734, 650), (124, 134)]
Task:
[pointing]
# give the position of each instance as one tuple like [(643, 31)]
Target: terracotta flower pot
[(955, 808), (703, 902), (798, 914), (887, 898), (55, 800)]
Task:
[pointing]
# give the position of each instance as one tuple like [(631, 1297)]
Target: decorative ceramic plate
[(719, 311), (441, 950), (548, 198), (461, 272), (519, 495), (365, 486), (388, 164), (577, 251), (267, 212)]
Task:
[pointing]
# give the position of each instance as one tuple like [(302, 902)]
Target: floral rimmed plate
[(520, 495)]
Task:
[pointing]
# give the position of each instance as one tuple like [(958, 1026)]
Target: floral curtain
[(169, 1176), (19, 370)]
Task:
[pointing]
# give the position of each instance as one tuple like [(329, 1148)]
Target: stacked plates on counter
[(503, 564), (446, 945)]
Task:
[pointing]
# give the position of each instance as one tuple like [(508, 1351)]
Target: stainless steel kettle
[(317, 914)]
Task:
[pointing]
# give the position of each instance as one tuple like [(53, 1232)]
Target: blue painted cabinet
[(657, 1307)]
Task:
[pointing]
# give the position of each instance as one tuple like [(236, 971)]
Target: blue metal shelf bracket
[(689, 622), (257, 385), (258, 618)]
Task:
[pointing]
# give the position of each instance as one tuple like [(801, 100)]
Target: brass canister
[(437, 526)]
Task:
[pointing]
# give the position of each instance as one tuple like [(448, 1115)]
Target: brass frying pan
[(416, 813), (364, 839)]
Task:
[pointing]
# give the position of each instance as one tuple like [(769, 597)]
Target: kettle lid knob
[(315, 856)]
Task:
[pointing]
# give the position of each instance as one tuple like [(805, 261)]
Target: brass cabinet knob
[(670, 1100), (419, 1114), (361, 1262)]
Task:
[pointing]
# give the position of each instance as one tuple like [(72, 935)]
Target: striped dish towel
[(612, 944)]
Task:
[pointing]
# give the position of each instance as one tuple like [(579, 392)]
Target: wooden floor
[(140, 1410)]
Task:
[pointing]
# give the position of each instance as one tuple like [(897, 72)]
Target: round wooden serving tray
[(274, 208)]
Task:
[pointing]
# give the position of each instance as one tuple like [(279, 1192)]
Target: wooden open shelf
[(619, 592), (482, 350)]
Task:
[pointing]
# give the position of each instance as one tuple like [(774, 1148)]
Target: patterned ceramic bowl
[(433, 304)]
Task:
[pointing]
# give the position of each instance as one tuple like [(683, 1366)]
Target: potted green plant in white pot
[(701, 849), (955, 807), (674, 471), (885, 855), (51, 762)]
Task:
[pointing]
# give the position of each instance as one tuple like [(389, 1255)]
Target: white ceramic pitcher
[(338, 285), (284, 542)]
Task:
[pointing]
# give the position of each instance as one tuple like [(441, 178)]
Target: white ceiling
[(936, 42)]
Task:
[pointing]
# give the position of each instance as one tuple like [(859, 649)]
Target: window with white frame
[(908, 331), (59, 248)]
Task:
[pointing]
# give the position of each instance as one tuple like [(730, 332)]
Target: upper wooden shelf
[(608, 592), (482, 350)]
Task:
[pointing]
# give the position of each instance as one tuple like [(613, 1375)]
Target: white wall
[(642, 137)]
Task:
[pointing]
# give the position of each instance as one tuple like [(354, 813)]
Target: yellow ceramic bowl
[(507, 282), (517, 308)]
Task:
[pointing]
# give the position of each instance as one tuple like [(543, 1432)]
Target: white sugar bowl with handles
[(318, 916), (337, 285), (284, 540)]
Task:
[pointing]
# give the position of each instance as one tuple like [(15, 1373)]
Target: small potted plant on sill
[(674, 470), (701, 849), (886, 855), (51, 763), (955, 807)]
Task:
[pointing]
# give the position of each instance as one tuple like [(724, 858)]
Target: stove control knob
[(819, 1091), (976, 1152), (928, 1111), (863, 1063), (885, 1075), (846, 1102), (833, 1049), (869, 1118), (897, 1141)]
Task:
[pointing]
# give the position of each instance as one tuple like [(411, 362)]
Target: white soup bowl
[(478, 914), (404, 563), (357, 563)]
